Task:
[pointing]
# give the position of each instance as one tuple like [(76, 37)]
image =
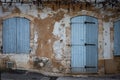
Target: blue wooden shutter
[(91, 44), (23, 35), (9, 35), (78, 38), (16, 35), (117, 38)]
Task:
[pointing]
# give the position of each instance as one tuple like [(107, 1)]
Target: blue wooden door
[(117, 38), (91, 44), (16, 35), (84, 44), (78, 39)]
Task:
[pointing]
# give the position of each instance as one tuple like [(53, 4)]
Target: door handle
[(89, 44)]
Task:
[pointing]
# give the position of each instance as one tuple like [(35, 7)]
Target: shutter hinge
[(86, 22)]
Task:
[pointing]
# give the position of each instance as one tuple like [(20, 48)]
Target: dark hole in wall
[(61, 41)]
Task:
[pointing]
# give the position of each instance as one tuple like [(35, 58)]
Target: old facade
[(60, 38)]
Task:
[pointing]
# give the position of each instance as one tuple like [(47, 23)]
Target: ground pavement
[(37, 76)]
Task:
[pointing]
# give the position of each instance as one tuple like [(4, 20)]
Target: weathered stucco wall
[(51, 36)]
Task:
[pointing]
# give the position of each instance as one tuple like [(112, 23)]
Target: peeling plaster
[(36, 36), (106, 34), (33, 12), (64, 10), (57, 47), (20, 59), (35, 42), (66, 20), (59, 32), (5, 14), (56, 29), (45, 13), (49, 41), (24, 8)]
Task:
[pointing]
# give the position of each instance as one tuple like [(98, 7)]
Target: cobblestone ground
[(88, 78), (37, 76), (21, 75)]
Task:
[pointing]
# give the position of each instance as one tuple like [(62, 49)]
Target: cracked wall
[(51, 35)]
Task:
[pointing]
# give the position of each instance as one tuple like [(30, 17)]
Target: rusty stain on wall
[(51, 35)]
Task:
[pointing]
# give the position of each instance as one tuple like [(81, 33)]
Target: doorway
[(84, 44)]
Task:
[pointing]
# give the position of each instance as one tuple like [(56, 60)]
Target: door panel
[(117, 38), (77, 42), (84, 37), (91, 44)]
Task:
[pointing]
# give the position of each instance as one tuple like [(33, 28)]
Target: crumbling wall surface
[(44, 37), (50, 37)]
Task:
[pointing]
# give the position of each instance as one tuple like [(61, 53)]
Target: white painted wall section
[(106, 35), (59, 32)]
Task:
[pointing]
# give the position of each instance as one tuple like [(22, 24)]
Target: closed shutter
[(16, 35), (9, 35), (117, 38), (78, 37), (91, 44), (23, 36)]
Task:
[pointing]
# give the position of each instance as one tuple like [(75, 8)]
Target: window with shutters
[(16, 35)]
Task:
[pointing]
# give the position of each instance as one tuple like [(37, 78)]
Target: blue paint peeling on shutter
[(16, 35), (117, 38), (84, 38)]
